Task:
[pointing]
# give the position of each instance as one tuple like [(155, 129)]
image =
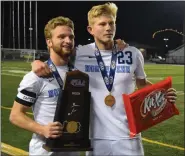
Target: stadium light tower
[(13, 25), (24, 17), (36, 33), (18, 28), (30, 28)]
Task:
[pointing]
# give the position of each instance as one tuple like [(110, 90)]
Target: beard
[(63, 52)]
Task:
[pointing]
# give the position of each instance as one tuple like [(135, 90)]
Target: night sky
[(136, 21)]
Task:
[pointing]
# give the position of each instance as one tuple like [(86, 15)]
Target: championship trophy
[(73, 111)]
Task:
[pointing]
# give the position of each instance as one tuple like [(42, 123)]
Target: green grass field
[(167, 138)]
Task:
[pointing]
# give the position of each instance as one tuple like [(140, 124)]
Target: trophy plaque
[(73, 111)]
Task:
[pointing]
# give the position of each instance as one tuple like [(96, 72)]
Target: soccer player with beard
[(42, 93)]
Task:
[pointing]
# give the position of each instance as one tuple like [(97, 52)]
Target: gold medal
[(72, 126), (109, 100)]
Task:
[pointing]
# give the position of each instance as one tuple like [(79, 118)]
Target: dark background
[(136, 21)]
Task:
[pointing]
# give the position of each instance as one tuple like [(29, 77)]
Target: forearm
[(141, 85), (23, 121)]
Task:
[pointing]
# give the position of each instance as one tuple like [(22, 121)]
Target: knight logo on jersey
[(78, 82), (154, 103)]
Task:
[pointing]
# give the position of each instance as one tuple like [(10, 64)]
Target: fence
[(23, 54)]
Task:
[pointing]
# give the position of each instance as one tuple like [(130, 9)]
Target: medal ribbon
[(55, 72), (108, 80)]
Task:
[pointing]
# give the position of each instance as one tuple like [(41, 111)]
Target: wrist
[(40, 130)]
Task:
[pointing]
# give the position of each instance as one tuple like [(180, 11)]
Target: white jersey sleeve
[(85, 50), (28, 89), (139, 72)]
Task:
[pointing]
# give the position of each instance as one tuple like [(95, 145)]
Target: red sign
[(148, 106)]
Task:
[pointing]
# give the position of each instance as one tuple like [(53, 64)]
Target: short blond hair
[(57, 21), (104, 9)]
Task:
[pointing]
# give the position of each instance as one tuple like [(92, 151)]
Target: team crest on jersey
[(154, 103), (101, 65)]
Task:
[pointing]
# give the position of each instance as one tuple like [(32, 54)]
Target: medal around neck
[(108, 79), (109, 100), (73, 111)]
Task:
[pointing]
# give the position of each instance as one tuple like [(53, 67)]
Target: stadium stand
[(176, 56)]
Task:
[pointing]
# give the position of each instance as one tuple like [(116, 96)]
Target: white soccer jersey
[(42, 95), (110, 122)]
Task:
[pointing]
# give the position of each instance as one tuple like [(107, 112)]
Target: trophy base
[(66, 149), (52, 145)]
